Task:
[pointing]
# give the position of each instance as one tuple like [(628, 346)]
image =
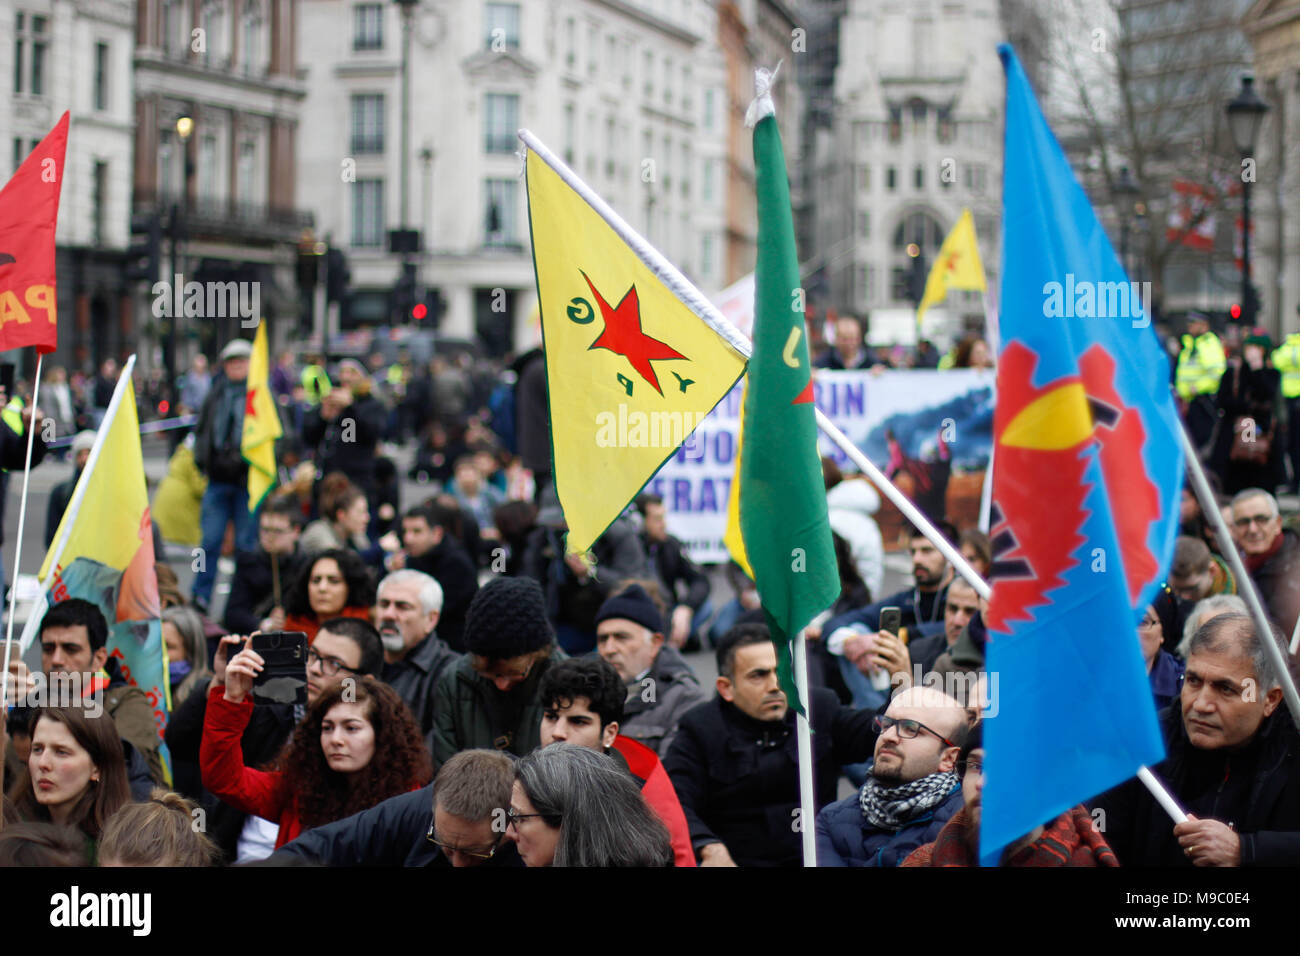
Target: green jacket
[(469, 712), (130, 710)]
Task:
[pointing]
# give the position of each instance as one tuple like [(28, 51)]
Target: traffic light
[(1234, 312), (404, 297), (338, 275), (144, 254), (435, 305)]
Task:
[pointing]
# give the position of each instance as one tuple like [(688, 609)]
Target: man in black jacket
[(735, 760), (429, 546), (61, 493), (468, 797), (346, 427), (252, 605), (1233, 765), (675, 570), (407, 610)]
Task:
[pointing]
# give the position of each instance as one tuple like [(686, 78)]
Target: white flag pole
[(18, 545), (803, 737)]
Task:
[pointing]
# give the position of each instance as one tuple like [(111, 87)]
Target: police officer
[(1201, 364), (1286, 359)]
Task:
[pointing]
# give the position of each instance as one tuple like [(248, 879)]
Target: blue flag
[(1085, 497)]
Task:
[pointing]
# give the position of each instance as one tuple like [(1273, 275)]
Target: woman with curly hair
[(336, 583), (357, 746)]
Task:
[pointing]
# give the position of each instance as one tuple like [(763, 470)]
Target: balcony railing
[(231, 219)]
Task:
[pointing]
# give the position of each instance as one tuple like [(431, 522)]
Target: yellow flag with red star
[(957, 266), (261, 423), (631, 367)]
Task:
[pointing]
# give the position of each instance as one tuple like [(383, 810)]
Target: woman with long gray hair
[(187, 651), (572, 806)]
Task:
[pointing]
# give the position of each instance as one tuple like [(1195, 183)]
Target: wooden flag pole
[(803, 737), (18, 554)]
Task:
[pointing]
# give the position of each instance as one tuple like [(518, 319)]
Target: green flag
[(782, 496)]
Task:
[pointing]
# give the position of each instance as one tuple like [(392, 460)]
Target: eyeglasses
[(448, 849), (907, 728), (1247, 520), (513, 816), (483, 665), (971, 765), (1148, 624), (330, 665), (271, 532)]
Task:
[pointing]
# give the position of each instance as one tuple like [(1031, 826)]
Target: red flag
[(29, 212)]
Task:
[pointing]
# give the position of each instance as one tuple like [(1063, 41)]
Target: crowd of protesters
[(475, 696)]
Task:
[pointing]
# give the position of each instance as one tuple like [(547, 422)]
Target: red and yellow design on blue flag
[(631, 370), (1085, 497), (29, 212)]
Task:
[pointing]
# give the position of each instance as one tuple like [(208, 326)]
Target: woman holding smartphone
[(358, 745)]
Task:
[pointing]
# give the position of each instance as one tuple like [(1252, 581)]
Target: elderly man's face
[(236, 369), (1254, 527), (848, 336), (1222, 702)]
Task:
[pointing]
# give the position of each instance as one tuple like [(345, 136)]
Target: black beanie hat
[(506, 619), (1172, 612), (633, 604)]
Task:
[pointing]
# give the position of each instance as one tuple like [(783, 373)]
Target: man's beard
[(392, 640), (892, 776)]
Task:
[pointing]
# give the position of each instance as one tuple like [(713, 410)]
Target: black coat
[(738, 778), (415, 677), (355, 456), (1257, 789), (449, 564), (673, 566), (391, 833), (1256, 393), (60, 495), (264, 738), (252, 589), (221, 460)]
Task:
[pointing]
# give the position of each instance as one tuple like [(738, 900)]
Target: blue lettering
[(681, 495), (708, 497), (724, 447), (855, 399)]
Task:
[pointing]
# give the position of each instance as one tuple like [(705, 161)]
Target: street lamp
[(1245, 115), (1126, 190), (184, 130)]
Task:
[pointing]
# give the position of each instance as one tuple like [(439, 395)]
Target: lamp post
[(1126, 190), (184, 130), (1245, 115)]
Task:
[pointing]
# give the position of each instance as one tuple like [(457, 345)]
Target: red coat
[(658, 791), (309, 624), (262, 793)]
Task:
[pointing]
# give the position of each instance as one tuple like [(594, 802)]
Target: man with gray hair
[(1203, 611), (1233, 764), (1270, 552), (406, 610)]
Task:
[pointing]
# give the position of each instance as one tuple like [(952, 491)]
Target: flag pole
[(1245, 584), (803, 737), (18, 545)]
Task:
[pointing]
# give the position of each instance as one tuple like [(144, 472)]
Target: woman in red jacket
[(335, 583), (357, 746)]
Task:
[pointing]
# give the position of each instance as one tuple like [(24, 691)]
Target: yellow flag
[(631, 370), (261, 423), (958, 265)]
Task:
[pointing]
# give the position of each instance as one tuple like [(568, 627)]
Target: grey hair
[(1216, 603), (187, 622), (602, 817), (1257, 493), (430, 591), (1229, 633)]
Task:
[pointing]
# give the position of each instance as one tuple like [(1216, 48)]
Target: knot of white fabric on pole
[(762, 104)]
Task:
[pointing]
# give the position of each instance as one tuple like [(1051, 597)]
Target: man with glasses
[(735, 762), (344, 647), (1072, 839), (489, 698), (262, 575), (911, 789), (1271, 554), (471, 800)]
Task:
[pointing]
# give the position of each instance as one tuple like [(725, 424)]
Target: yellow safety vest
[(395, 375), (1201, 364), (13, 415), (1286, 359)]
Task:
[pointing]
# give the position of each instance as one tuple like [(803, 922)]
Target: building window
[(368, 212), (706, 255), (686, 171), (99, 199), (500, 122), (688, 86), (367, 123), (244, 179), (251, 51), (946, 128), (708, 108), (891, 178), (706, 189), (975, 180), (101, 76), (918, 177), (213, 15), (570, 40), (501, 26), (499, 212), (917, 113), (895, 124), (368, 26), (864, 224), (593, 48), (611, 145), (30, 39), (668, 81), (568, 133), (864, 178), (649, 74), (208, 167), (173, 43)]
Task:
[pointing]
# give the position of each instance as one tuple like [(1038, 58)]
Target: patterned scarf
[(892, 808)]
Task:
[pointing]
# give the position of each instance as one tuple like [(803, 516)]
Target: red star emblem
[(950, 264), (248, 402), (623, 336)]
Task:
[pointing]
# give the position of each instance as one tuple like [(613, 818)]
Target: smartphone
[(283, 679), (891, 620)]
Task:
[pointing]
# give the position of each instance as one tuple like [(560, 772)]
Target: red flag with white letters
[(29, 212)]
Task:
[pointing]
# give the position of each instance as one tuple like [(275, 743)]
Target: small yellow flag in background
[(261, 423), (957, 266), (631, 370)]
